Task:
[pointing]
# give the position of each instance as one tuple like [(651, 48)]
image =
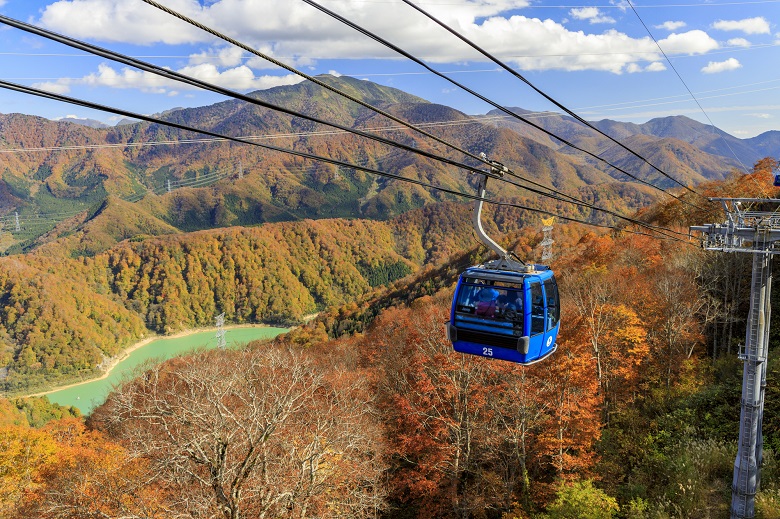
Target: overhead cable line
[(267, 136), (176, 76), (509, 112), (337, 91), (367, 105), (677, 73), (95, 106), (541, 92), (313, 79), (549, 192), (157, 70), (180, 77)]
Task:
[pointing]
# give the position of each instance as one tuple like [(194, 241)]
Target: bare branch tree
[(259, 432)]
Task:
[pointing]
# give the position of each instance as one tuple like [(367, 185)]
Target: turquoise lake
[(91, 394)]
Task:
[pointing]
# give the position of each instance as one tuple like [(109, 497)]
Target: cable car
[(504, 309), (777, 179), (507, 315)]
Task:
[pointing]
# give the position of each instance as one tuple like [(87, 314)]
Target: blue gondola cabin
[(508, 315)]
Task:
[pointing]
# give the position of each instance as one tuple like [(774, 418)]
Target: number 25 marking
[(487, 352)]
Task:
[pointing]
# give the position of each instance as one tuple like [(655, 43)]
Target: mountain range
[(58, 177)]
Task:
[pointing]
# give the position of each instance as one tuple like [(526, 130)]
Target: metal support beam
[(747, 475), (477, 221), (506, 260), (756, 232)]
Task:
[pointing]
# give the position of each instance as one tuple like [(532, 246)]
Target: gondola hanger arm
[(507, 260)]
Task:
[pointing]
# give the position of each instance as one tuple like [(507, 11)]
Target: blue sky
[(598, 58)]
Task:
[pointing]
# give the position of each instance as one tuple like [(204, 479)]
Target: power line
[(38, 220), (726, 49), (397, 49), (95, 106), (118, 111), (682, 81), (156, 70), (269, 136), (540, 92), (443, 123), (179, 77), (310, 78), (175, 76), (198, 182)]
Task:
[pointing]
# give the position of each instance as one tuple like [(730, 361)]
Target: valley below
[(348, 400)]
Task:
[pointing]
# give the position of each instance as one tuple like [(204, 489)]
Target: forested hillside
[(62, 317), (635, 415), (365, 411)]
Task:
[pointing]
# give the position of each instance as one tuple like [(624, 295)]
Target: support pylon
[(221, 343), (547, 241), (756, 232)]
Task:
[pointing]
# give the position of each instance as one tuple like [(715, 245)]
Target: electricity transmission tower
[(547, 242), (221, 343), (757, 231)]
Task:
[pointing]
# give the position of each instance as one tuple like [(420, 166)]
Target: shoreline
[(140, 344)]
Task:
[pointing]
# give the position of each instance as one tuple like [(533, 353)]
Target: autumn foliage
[(625, 419)]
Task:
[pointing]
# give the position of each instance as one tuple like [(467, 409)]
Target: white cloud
[(583, 13), (592, 14), (714, 67), (691, 42), (244, 20), (300, 35), (671, 26), (239, 78), (761, 115), (757, 25), (225, 57), (53, 87), (656, 66), (533, 44), (738, 42), (113, 21)]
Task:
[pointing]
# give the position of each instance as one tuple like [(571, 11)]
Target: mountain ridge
[(189, 182)]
